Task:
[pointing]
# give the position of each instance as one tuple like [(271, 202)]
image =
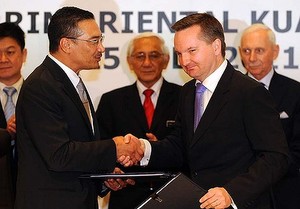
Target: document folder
[(128, 175), (178, 193)]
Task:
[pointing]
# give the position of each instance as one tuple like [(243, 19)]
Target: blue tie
[(199, 104), (9, 108)]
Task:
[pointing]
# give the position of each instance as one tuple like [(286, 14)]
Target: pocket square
[(283, 115)]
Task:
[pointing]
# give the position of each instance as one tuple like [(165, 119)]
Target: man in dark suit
[(121, 111), (4, 142), (12, 56), (238, 149), (56, 123), (258, 49)]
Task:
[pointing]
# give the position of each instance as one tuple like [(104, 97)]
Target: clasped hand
[(11, 126), (118, 183), (217, 198), (130, 150)]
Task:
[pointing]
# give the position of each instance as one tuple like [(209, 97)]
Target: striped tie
[(199, 106), (9, 108), (83, 96)]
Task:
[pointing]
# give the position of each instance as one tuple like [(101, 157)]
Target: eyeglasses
[(94, 41), (141, 57)]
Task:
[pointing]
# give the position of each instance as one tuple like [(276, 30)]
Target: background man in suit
[(121, 111), (56, 123), (12, 56), (258, 49), (238, 149), (4, 142)]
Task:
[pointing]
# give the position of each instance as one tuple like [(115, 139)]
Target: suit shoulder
[(171, 86), (118, 91), (291, 83), (240, 78)]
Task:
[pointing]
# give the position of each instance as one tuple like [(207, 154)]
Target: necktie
[(148, 106), (83, 96), (199, 104), (9, 111), (9, 108)]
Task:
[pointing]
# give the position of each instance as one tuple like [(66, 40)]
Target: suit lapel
[(163, 103), (134, 106), (70, 90), (217, 101), (189, 109), (276, 88), (2, 118)]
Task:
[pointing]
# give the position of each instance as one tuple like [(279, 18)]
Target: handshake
[(130, 150)]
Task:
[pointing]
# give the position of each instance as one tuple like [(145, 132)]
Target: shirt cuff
[(233, 204), (147, 153)]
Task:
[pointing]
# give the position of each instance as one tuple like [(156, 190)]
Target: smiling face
[(86, 50), (12, 58), (147, 60), (258, 53), (197, 57)]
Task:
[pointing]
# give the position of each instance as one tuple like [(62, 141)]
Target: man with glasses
[(58, 135), (125, 110)]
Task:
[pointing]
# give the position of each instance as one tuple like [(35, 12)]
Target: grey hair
[(260, 26), (164, 48)]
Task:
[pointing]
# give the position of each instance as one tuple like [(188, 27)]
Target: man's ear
[(65, 44), (276, 51), (217, 46)]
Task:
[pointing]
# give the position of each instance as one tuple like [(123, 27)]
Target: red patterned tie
[(148, 106)]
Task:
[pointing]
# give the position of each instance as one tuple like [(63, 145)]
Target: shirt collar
[(212, 80), (265, 80), (17, 85), (156, 87), (74, 78)]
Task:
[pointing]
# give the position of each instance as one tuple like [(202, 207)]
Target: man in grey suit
[(258, 50), (58, 135), (121, 111), (237, 150)]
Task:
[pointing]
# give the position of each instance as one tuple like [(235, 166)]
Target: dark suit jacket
[(239, 143), (7, 193), (56, 144), (4, 142), (120, 112), (286, 93)]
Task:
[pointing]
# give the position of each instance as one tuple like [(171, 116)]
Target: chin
[(96, 66)]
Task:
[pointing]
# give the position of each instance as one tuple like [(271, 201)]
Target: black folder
[(178, 193)]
